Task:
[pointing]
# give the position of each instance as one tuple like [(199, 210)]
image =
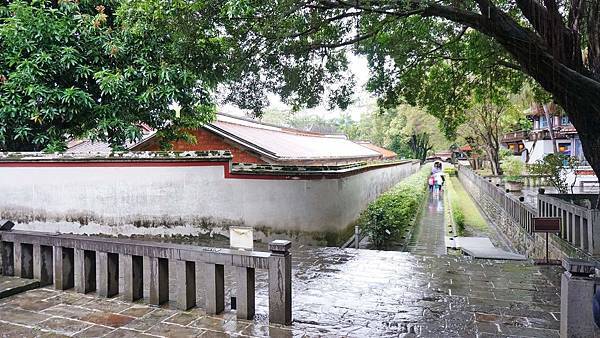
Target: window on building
[(543, 122), (564, 120), (521, 146), (564, 148)]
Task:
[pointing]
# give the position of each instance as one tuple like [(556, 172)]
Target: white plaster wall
[(178, 200), (537, 152)]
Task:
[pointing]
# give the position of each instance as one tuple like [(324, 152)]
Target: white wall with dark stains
[(128, 200)]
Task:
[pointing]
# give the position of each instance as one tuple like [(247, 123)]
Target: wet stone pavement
[(336, 293), (357, 293), (429, 234)]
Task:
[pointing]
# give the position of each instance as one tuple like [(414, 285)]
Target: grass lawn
[(475, 224)]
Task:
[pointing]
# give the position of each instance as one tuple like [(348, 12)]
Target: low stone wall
[(186, 194), (513, 218)]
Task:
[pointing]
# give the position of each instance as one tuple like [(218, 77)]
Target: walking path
[(355, 293), (429, 234)]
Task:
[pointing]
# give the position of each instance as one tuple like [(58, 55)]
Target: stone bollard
[(280, 282), (576, 295)]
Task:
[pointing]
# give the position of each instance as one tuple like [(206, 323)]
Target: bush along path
[(389, 220)]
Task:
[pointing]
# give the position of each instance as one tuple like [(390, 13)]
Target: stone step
[(13, 285)]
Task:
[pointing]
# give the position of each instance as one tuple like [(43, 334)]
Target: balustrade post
[(85, 270), (23, 257), (17, 258), (64, 276), (280, 282), (186, 284), (245, 292), (42, 264), (134, 277), (215, 288), (159, 280), (593, 224), (8, 260), (108, 274)]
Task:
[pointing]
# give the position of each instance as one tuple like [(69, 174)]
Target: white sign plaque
[(241, 238)]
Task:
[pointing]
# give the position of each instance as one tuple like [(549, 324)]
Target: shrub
[(450, 171), (392, 212), (459, 220), (512, 168)]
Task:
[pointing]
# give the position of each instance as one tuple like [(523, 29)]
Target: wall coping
[(192, 158), (119, 156)]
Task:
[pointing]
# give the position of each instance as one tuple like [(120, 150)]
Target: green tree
[(414, 46), (76, 69)]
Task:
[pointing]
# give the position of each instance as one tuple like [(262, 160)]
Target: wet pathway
[(429, 235), (337, 293)]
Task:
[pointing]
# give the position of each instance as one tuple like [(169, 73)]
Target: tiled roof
[(386, 153), (278, 143), (288, 144), (87, 146)]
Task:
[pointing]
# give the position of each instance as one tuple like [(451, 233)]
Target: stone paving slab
[(12, 285), (482, 247), (354, 293)]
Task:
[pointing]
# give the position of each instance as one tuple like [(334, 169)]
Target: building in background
[(259, 143), (533, 145)]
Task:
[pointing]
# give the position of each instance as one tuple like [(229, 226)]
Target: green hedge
[(451, 171), (395, 210), (459, 220)]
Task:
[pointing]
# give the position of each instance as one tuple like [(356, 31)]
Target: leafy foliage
[(459, 220), (395, 210), (513, 168), (556, 167), (74, 69)]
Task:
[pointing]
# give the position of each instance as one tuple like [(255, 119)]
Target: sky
[(363, 99)]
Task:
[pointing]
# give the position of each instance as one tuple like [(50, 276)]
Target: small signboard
[(546, 224), (241, 238)]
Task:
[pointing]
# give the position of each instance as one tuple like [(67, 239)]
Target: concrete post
[(64, 277), (8, 260), (134, 277), (186, 284), (85, 270), (280, 282), (576, 294), (159, 280), (24, 260), (245, 292), (108, 273), (215, 288), (17, 258), (42, 264)]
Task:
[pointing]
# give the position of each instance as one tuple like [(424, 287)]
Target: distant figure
[(431, 182), (439, 180)]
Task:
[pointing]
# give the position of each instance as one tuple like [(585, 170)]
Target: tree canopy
[(75, 69), (438, 54)]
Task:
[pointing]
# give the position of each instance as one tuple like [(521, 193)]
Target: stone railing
[(580, 225), (69, 261), (528, 180), (520, 213), (514, 219)]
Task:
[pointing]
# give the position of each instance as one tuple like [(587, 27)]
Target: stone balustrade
[(73, 261), (578, 238), (579, 224)]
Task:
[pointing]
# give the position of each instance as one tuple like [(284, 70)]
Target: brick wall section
[(206, 140)]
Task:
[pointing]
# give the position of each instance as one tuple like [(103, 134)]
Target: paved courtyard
[(356, 293)]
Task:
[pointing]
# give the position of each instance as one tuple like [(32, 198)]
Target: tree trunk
[(550, 119), (494, 161)]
